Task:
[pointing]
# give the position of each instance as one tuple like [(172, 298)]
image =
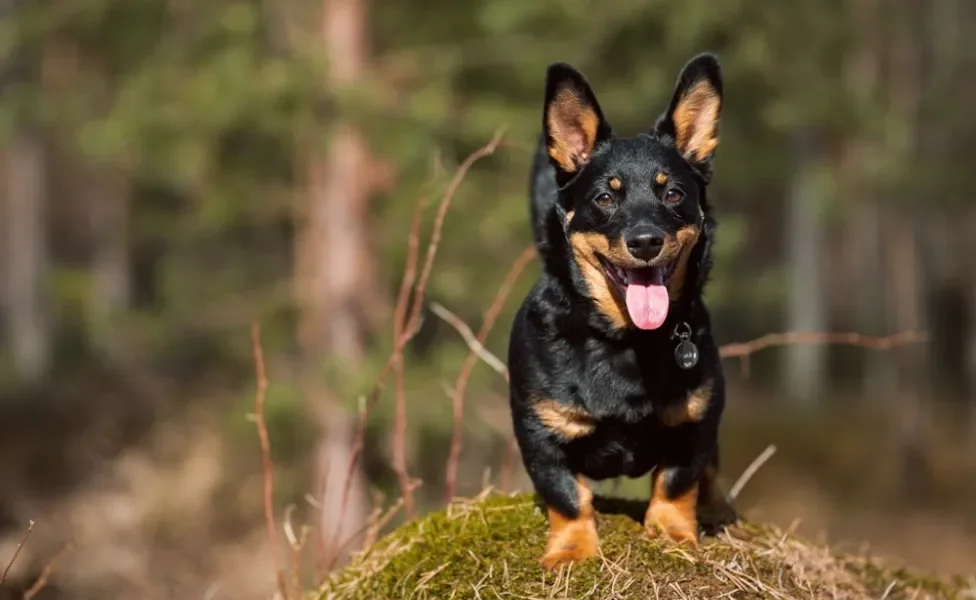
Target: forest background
[(175, 171)]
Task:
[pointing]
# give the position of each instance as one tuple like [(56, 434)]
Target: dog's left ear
[(692, 119)]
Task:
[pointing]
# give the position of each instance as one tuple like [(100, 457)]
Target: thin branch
[(46, 572), (888, 589), (772, 340), (435, 236), (394, 361), (267, 469), (754, 466), (297, 544), (20, 545), (373, 522), (473, 344), (412, 323), (400, 436), (461, 384), (399, 327)]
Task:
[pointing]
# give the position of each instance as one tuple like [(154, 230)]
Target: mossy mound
[(489, 548)]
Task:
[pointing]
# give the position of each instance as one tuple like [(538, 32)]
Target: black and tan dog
[(614, 368)]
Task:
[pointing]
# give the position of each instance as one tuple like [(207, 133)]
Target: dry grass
[(488, 548)]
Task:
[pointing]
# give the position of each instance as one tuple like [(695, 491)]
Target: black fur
[(564, 349)]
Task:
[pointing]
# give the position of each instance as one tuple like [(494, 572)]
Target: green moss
[(490, 548)]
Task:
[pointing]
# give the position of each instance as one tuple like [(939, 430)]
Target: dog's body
[(624, 230)]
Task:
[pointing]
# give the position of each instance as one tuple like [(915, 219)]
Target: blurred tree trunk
[(907, 281), (804, 368), (952, 73), (863, 228), (24, 230), (336, 280), (948, 312), (25, 235), (107, 190)]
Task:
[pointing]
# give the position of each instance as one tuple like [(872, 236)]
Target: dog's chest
[(629, 386)]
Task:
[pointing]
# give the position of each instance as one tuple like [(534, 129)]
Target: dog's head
[(634, 209)]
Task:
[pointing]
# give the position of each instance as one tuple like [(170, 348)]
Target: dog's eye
[(604, 200), (674, 196)]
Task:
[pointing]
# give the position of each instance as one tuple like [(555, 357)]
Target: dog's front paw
[(672, 519), (575, 542)]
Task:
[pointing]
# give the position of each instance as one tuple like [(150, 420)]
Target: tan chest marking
[(692, 410), (568, 422)]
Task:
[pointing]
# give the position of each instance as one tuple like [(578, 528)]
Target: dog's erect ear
[(572, 119), (692, 119)]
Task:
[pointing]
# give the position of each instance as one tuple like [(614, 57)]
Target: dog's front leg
[(684, 479), (674, 498), (677, 481), (572, 526)]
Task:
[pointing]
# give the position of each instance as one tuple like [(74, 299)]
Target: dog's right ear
[(572, 119)]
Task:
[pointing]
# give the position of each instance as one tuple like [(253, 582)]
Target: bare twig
[(400, 436), (754, 466), (888, 589), (435, 236), (411, 326), (790, 338), (267, 469), (399, 329), (376, 521), (473, 344), (461, 384), (20, 545), (395, 362), (47, 571), (297, 544)]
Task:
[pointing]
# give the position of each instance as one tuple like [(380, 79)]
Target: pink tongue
[(647, 298)]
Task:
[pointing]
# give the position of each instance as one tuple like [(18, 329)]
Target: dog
[(614, 370)]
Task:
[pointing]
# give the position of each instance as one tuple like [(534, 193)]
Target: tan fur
[(692, 410), (661, 178), (572, 540), (573, 127), (615, 184), (585, 247), (676, 516), (567, 421), (678, 247), (696, 121)]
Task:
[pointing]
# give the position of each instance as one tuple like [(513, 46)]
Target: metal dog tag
[(686, 352)]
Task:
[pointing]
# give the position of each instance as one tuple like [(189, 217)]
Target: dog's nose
[(645, 245)]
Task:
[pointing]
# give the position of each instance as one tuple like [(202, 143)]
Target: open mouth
[(644, 289)]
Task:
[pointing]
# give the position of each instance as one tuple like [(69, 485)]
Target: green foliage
[(204, 105)]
